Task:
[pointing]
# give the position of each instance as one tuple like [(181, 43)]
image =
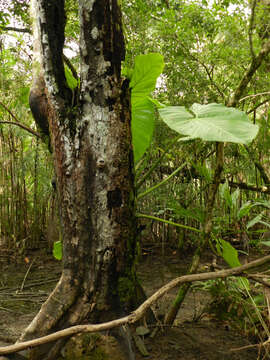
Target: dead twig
[(35, 283), (25, 276), (259, 280), (251, 346)]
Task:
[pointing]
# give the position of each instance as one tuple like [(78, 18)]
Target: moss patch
[(126, 290)]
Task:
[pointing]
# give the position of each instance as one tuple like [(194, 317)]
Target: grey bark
[(91, 141)]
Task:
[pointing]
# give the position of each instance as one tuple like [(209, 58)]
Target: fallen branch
[(251, 346), (140, 311), (29, 285)]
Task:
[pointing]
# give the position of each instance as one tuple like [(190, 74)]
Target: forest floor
[(197, 334)]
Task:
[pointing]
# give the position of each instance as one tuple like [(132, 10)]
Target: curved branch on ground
[(140, 311)]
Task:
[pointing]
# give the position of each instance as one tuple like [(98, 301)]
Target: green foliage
[(212, 122), (230, 255), (147, 69), (57, 250), (187, 213), (71, 81), (26, 168), (228, 252), (4, 18), (16, 9), (20, 9), (230, 303), (259, 218), (143, 79), (125, 289), (143, 121), (226, 195), (244, 210), (72, 26)]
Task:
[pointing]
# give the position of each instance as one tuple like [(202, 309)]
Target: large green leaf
[(142, 125), (212, 122), (143, 81), (146, 71)]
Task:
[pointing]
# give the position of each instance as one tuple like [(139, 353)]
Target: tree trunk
[(90, 138)]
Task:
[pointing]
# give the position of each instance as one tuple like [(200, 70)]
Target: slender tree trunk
[(91, 141)]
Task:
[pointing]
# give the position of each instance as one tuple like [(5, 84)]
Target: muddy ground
[(197, 334)]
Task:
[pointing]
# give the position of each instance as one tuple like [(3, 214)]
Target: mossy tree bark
[(90, 137)]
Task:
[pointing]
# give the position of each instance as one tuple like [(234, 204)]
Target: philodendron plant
[(211, 122)]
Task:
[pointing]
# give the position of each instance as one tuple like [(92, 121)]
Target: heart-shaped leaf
[(212, 122)]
